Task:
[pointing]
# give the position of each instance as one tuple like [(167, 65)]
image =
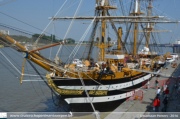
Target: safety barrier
[(134, 95), (145, 84), (129, 95), (151, 84), (161, 83)]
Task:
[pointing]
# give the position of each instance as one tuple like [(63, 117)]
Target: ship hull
[(101, 105), (111, 92), (109, 102)]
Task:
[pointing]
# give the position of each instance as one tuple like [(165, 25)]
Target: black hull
[(102, 106)]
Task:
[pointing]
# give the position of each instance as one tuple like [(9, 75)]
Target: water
[(30, 96)]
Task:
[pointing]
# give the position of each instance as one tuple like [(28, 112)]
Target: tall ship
[(99, 81)]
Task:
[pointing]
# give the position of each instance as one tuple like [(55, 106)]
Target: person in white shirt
[(158, 92), (164, 87), (148, 84)]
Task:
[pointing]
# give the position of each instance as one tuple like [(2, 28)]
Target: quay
[(137, 109)]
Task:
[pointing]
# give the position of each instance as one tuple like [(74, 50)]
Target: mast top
[(104, 4), (137, 11)]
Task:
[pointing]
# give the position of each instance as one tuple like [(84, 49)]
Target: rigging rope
[(9, 69), (88, 95), (42, 77), (16, 67), (50, 21), (20, 21), (70, 25), (38, 81), (10, 62), (114, 28), (17, 53), (155, 42), (52, 91), (68, 48), (7, 2), (173, 33), (32, 83), (89, 46), (145, 35), (81, 40), (29, 33), (51, 42)]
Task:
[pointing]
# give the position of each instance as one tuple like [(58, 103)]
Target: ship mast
[(103, 5), (119, 39), (136, 12), (149, 25), (103, 30)]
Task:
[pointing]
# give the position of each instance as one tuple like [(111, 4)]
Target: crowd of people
[(165, 94), (157, 102), (104, 66)]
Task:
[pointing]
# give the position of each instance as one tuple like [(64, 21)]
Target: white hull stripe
[(100, 99), (109, 87), (96, 99)]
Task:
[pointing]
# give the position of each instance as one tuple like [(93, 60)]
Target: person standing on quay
[(158, 92), (165, 102), (156, 104), (167, 92), (156, 83), (164, 88)]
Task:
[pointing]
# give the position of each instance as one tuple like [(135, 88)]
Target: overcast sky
[(37, 12)]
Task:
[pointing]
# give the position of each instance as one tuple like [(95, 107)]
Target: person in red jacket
[(167, 92), (156, 104)]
